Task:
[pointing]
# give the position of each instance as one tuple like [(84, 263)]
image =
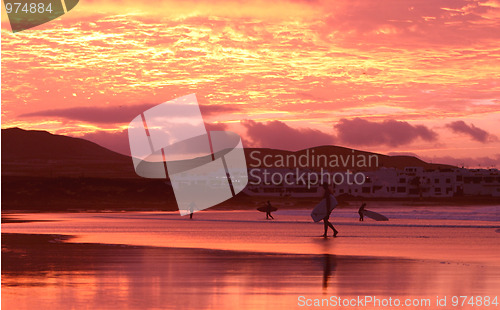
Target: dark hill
[(40, 153), (18, 144)]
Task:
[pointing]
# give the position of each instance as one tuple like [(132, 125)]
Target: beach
[(238, 259)]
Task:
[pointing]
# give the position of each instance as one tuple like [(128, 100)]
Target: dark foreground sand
[(43, 272)]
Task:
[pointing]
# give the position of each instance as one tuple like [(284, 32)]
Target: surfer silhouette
[(360, 212), (329, 209), (268, 211), (191, 210)]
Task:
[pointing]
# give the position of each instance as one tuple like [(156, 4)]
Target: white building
[(382, 183)]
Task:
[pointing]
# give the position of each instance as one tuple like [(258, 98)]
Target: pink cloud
[(389, 132), (414, 22), (215, 126), (115, 114), (278, 135), (99, 115), (472, 131)]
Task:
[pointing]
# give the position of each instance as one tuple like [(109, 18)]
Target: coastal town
[(410, 182)]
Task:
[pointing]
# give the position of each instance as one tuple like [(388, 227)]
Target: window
[(413, 191)]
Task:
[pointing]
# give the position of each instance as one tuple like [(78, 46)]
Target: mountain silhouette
[(40, 153), (21, 144)]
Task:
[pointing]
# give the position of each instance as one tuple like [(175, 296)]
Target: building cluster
[(410, 182)]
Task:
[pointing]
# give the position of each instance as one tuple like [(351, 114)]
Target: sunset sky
[(396, 76)]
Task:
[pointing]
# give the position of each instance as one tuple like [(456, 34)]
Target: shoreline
[(471, 242), (283, 204)]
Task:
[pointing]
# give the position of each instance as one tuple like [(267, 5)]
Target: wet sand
[(237, 260), (42, 272)]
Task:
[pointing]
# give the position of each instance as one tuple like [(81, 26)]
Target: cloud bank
[(389, 132), (116, 114), (472, 131), (278, 135)]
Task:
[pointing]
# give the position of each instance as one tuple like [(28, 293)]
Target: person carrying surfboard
[(329, 209), (191, 210), (361, 212), (268, 211)]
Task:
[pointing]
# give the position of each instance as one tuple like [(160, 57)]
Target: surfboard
[(319, 211), (374, 215), (265, 208)]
